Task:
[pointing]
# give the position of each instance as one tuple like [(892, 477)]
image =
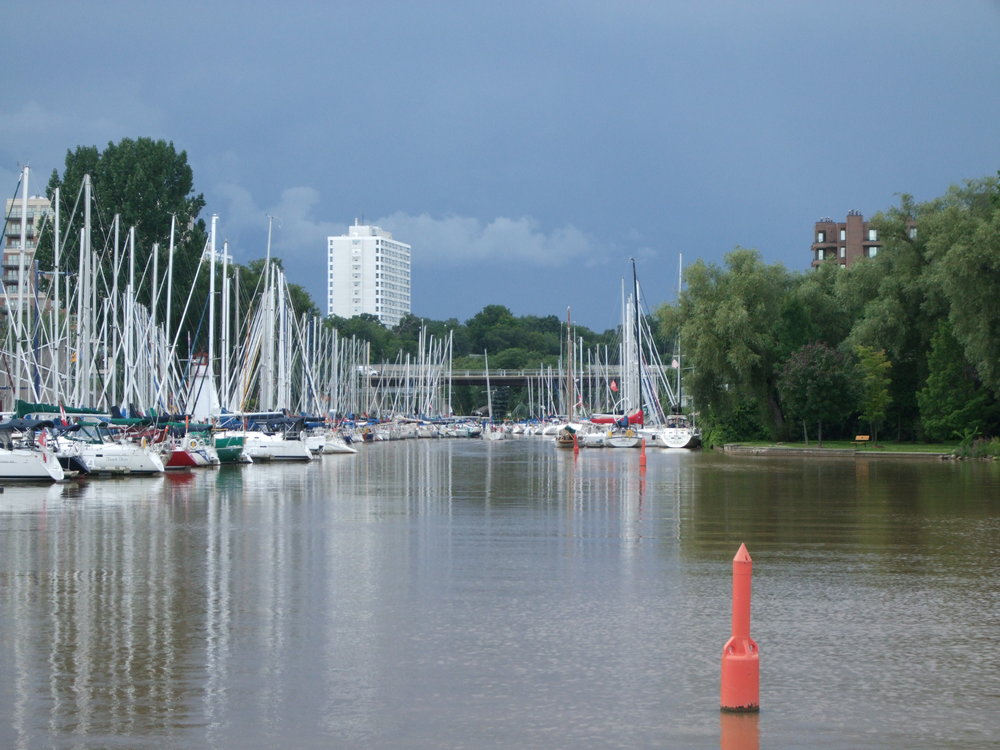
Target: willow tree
[(731, 329), (962, 230)]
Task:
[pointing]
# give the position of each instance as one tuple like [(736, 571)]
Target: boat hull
[(120, 458), (30, 465)]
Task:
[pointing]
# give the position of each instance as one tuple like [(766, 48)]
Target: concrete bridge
[(393, 375)]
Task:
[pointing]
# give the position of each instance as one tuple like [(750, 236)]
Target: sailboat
[(567, 434), (678, 431), (27, 457), (645, 386)]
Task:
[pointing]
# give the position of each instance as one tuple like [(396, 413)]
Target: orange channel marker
[(740, 658)]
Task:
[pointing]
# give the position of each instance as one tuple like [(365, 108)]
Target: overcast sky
[(526, 150)]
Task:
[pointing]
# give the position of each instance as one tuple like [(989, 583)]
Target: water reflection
[(739, 731), (469, 593)]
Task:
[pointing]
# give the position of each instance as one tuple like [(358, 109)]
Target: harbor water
[(502, 594)]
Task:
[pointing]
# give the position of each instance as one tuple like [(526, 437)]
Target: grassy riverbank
[(882, 446), (983, 448)]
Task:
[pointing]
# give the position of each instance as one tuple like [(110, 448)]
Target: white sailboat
[(647, 387), (102, 454)]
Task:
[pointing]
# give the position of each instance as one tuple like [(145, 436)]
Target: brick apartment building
[(844, 241)]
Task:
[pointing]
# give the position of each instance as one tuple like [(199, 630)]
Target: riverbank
[(810, 450)]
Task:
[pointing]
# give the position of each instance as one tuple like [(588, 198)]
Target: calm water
[(471, 594)]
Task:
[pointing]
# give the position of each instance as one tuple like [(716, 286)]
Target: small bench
[(861, 440)]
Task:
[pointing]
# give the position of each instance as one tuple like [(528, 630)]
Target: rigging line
[(13, 201)]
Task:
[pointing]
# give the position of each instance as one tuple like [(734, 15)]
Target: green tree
[(816, 387), (952, 402), (252, 278), (964, 234), (731, 320), (147, 183), (899, 314), (813, 310), (874, 396), (367, 327)]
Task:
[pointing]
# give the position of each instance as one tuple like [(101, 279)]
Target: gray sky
[(526, 150)]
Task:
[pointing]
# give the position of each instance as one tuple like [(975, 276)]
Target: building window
[(843, 235), (873, 251), (872, 235), (821, 236), (843, 251)]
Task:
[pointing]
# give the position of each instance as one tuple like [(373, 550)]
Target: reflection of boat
[(29, 497)]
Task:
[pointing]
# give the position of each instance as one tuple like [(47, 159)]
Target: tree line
[(906, 342), (511, 342)]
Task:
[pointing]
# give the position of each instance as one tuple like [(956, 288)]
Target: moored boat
[(231, 449), (103, 454), (26, 454), (192, 450)]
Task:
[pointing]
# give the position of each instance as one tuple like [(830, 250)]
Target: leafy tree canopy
[(874, 397), (816, 386)]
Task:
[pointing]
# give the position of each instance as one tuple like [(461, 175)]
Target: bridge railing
[(401, 371)]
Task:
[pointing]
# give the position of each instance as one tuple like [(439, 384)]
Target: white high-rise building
[(18, 260), (368, 271)]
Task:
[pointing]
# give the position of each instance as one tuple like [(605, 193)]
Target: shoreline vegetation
[(889, 449), (901, 342)]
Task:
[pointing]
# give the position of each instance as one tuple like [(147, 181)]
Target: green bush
[(980, 448)]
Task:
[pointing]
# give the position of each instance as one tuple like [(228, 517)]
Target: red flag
[(62, 413), (614, 386)]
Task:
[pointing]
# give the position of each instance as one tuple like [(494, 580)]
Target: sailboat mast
[(489, 393), (211, 305), (638, 339), (680, 286), (569, 368)]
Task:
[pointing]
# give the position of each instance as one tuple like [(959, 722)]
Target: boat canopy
[(24, 408), (621, 420), (26, 425)]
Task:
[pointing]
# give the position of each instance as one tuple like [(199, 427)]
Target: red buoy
[(740, 657)]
